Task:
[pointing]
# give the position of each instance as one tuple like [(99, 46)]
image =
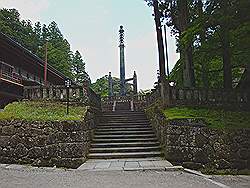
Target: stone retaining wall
[(60, 144), (191, 144)]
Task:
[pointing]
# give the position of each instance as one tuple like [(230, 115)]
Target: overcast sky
[(91, 26)]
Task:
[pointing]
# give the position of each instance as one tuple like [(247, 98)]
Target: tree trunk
[(204, 65), (163, 81), (227, 67), (188, 67), (159, 41)]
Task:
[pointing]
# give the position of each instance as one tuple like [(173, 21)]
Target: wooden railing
[(10, 77)]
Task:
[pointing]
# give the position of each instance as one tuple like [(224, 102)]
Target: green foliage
[(41, 111), (35, 37), (101, 86), (215, 118), (78, 69), (205, 29)]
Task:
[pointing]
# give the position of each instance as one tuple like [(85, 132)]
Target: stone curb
[(197, 173), (174, 168)]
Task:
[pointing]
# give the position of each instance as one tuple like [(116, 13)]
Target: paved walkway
[(20, 176), (127, 164)]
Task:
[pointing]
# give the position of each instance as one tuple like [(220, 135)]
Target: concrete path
[(127, 164), (17, 176)]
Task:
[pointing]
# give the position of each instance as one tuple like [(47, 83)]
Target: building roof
[(31, 55)]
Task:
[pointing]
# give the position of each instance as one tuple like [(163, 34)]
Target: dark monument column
[(135, 83), (110, 80), (122, 62)]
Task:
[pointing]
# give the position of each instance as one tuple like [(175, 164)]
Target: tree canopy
[(101, 86), (34, 38), (212, 38)]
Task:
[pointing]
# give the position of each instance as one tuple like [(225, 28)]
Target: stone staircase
[(124, 134)]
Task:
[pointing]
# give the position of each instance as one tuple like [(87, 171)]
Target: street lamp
[(67, 84)]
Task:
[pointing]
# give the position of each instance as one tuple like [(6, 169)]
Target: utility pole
[(46, 63)]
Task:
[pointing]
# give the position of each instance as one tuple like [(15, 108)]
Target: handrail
[(10, 76)]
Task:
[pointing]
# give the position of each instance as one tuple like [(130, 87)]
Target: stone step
[(124, 121), (117, 140), (128, 116), (120, 129), (122, 126), (124, 149), (111, 132), (124, 144), (124, 136), (124, 155), (123, 115)]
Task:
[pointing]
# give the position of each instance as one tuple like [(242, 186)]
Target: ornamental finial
[(121, 33)]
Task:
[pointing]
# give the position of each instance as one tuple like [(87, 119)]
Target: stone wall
[(191, 144), (60, 144)]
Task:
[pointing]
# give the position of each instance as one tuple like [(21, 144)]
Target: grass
[(214, 118), (41, 111)]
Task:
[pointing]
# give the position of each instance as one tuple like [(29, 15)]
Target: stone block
[(70, 162), (174, 154), (43, 162), (200, 156), (7, 152), (51, 139), (239, 164), (192, 165), (223, 164), (40, 140), (70, 126), (9, 130), (15, 140), (30, 131), (48, 130), (244, 153), (4, 141), (35, 152), (20, 151), (61, 137), (200, 140), (7, 160), (51, 151), (72, 150)]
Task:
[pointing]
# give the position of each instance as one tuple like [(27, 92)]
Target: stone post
[(135, 83), (110, 80)]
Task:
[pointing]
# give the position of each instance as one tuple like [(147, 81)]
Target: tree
[(101, 86), (218, 33), (176, 14), (35, 37), (78, 69)]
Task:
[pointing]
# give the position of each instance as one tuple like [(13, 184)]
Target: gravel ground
[(30, 177)]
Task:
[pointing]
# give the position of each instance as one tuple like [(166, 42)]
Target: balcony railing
[(10, 77)]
